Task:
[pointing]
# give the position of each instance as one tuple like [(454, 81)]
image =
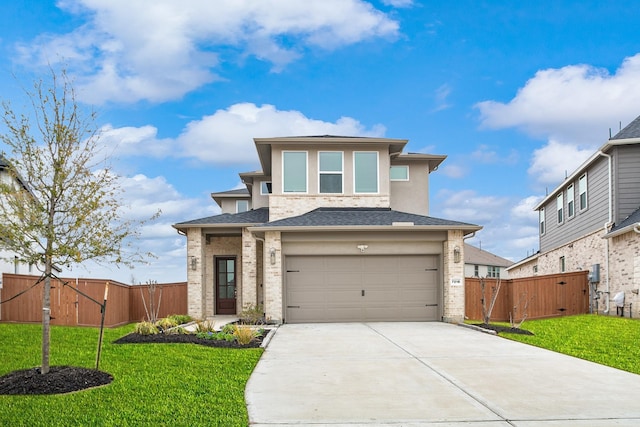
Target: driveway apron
[(421, 374)]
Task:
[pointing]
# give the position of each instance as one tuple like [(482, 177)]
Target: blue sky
[(514, 93)]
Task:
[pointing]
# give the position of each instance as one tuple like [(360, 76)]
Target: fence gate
[(64, 304)]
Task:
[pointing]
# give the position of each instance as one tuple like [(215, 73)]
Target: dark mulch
[(66, 379), (60, 379), (506, 329), (134, 338)]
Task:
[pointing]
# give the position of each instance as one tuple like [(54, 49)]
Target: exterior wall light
[(272, 256), (456, 254)]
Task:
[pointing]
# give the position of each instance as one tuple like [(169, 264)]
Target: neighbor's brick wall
[(195, 279), (453, 296), (285, 206), (624, 264), (220, 246), (273, 286)]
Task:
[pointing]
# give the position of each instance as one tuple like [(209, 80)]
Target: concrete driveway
[(424, 374)]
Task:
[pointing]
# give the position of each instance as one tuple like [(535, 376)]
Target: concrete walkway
[(426, 374)]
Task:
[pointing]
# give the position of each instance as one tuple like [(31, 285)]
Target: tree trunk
[(46, 318)]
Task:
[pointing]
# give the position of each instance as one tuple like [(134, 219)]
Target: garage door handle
[(363, 292), (293, 306), (431, 305)]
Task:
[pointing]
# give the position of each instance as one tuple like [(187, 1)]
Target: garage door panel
[(329, 288)]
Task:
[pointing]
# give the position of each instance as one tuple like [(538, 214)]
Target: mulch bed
[(506, 329), (67, 379)]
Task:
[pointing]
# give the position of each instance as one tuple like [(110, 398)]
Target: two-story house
[(591, 222), (480, 263), (330, 229)]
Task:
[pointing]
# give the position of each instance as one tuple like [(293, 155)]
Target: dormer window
[(330, 168), (294, 171), (242, 206), (365, 167)]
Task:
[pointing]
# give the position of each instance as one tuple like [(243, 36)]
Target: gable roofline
[(263, 145), (434, 160), (582, 168), (475, 255), (630, 223), (524, 261)]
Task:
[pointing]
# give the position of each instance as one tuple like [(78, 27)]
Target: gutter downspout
[(607, 225)]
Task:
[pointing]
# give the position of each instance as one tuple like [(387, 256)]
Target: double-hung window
[(330, 170), (542, 221), (365, 172), (582, 191), (294, 172), (571, 207), (560, 208)]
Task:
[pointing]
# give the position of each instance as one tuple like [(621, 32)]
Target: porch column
[(248, 291), (453, 286), (273, 286), (195, 273)]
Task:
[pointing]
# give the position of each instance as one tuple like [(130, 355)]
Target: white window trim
[(399, 166), (306, 159), (542, 226), (377, 173), (571, 198), (586, 192), (560, 208), (265, 182), (241, 201), (320, 172)]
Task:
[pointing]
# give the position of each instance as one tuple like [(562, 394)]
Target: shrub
[(146, 328), (166, 323), (204, 326), (252, 315), (181, 319), (178, 330), (229, 328), (244, 335)]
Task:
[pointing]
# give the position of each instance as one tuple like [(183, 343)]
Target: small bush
[(244, 335), (179, 330), (204, 326), (216, 336), (146, 328), (181, 319), (166, 323), (229, 328), (252, 315)]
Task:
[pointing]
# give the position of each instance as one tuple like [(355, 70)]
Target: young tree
[(68, 211)]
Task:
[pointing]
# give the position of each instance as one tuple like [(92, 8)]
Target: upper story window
[(542, 230), (365, 172), (493, 271), (571, 207), (330, 168), (399, 173), (560, 208), (476, 271), (265, 187), (294, 171), (242, 206), (582, 191)]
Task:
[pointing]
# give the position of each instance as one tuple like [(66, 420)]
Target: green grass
[(154, 384), (611, 341)]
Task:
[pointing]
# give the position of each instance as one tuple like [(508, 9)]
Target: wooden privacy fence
[(70, 308), (552, 295)]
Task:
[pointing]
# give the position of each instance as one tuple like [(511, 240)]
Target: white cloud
[(453, 171), (132, 50), (553, 162), (487, 155), (441, 97), (576, 104), (398, 3)]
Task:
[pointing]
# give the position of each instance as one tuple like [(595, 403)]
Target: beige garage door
[(361, 288)]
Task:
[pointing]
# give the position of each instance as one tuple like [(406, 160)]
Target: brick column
[(453, 286), (273, 277), (195, 277), (248, 293)]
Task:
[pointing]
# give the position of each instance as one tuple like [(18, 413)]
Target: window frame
[(263, 185), (563, 264), (571, 201), (541, 222), (355, 172), (583, 205), (238, 206), (321, 172), (405, 167), (493, 272), (560, 207), (306, 172)]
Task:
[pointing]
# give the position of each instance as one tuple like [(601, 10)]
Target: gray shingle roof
[(473, 255), (359, 217), (632, 130), (239, 191), (630, 220), (256, 216)]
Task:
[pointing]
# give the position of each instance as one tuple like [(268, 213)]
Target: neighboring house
[(479, 263), (592, 222), (9, 262), (331, 229)]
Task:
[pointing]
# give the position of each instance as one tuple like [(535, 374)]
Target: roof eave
[(466, 228), (623, 230), (181, 227)]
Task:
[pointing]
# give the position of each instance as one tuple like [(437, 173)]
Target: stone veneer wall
[(273, 286), (248, 294), (195, 291), (453, 286), (624, 264), (286, 206)]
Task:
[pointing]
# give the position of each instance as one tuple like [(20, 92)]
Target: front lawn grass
[(154, 384), (611, 341)]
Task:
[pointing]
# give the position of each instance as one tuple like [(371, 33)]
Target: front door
[(225, 285)]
